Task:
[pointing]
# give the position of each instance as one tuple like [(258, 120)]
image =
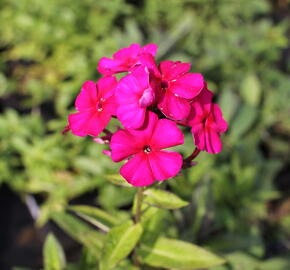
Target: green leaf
[(117, 179), (163, 199), (54, 258), (251, 90), (278, 263), (80, 231), (170, 253), (95, 216), (243, 121), (229, 103), (240, 260), (119, 242)]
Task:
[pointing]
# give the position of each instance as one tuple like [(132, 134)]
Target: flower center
[(164, 84), (147, 149), (99, 107)]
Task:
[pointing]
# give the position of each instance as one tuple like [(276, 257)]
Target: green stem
[(137, 219), (139, 200)]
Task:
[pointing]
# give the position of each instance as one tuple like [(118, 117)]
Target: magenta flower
[(125, 59), (177, 87), (148, 162), (95, 105), (134, 94), (207, 123)]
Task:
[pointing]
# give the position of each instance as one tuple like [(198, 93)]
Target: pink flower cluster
[(150, 101)]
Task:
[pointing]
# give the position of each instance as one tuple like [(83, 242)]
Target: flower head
[(134, 94), (177, 87), (125, 59), (148, 162), (177, 97), (95, 105), (207, 123)]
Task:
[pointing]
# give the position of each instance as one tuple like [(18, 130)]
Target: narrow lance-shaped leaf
[(170, 253), (54, 258), (243, 121), (80, 231), (117, 179), (120, 241), (251, 90), (95, 216), (163, 199)]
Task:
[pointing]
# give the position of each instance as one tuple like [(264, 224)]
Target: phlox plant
[(153, 102)]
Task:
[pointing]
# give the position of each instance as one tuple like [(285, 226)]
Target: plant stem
[(137, 219), (139, 200), (187, 161)]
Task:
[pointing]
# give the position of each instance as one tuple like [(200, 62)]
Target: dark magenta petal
[(109, 66), (131, 115), (195, 115), (134, 94), (199, 137), (165, 164), (149, 49), (88, 123), (148, 61), (221, 124), (87, 98), (147, 98), (171, 70), (145, 132), (166, 134), (174, 107), (188, 86), (213, 143), (126, 53), (124, 145), (137, 171), (106, 87)]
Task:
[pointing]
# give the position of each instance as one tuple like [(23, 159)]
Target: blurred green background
[(240, 199)]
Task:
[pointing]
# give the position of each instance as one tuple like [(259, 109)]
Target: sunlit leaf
[(169, 253), (80, 231), (95, 216), (54, 257), (251, 90), (119, 242), (163, 199)]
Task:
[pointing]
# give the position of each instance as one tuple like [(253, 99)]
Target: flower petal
[(199, 137), (221, 124), (165, 164), (88, 123), (150, 49), (148, 61), (195, 115), (147, 98), (137, 171), (106, 87), (109, 66), (110, 106), (124, 145), (141, 76), (130, 86), (126, 53), (166, 134), (131, 115), (188, 86), (213, 142), (87, 98), (145, 132), (174, 107), (171, 70)]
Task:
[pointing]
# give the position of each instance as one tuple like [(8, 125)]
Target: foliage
[(48, 48)]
